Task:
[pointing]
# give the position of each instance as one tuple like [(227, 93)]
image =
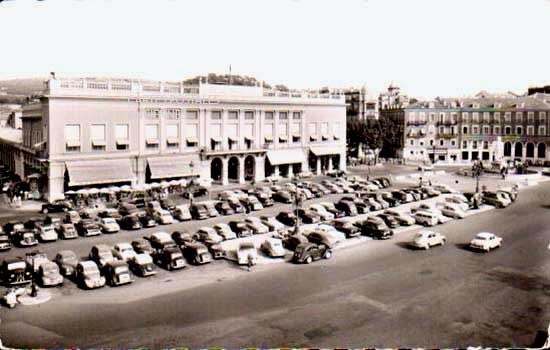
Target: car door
[(313, 251)]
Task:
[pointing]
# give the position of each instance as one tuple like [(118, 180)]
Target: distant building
[(5, 112), (360, 105), (392, 99), (542, 89), (14, 119)]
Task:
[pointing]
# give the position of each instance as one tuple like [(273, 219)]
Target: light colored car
[(109, 225), (182, 213), (322, 212), (457, 199), (225, 231), (486, 241), (47, 234), (273, 224), (163, 217), (225, 195), (426, 218), (124, 251), (49, 275), (246, 250), (334, 234), (87, 274), (273, 247), (431, 208), (372, 203), (334, 188), (452, 210), (256, 225), (403, 218), (427, 239), (208, 235), (67, 231), (443, 188)]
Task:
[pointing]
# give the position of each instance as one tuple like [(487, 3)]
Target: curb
[(42, 297)]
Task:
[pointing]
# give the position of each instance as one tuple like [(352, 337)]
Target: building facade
[(360, 105), (488, 129), (99, 132)]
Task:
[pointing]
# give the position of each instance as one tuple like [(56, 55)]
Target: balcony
[(415, 135), (236, 149), (446, 135)]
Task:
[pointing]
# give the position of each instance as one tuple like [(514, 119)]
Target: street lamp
[(297, 204), (190, 185)]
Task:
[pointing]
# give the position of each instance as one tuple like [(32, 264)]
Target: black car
[(283, 197), (236, 205), (347, 228), (308, 252), (130, 222), (393, 202), (286, 218), (291, 242), (308, 216), (224, 208), (33, 224), (197, 253), (127, 209), (110, 213), (183, 238), (87, 227), (117, 273), (170, 259), (241, 228), (14, 226), (167, 204), (375, 228), (264, 198), (348, 207), (15, 271), (199, 211), (147, 220), (5, 243), (57, 206), (141, 245), (336, 212), (389, 220)]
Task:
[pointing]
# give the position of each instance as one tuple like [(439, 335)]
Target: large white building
[(91, 132)]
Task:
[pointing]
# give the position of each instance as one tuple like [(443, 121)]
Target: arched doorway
[(249, 168), (268, 169), (216, 168), (507, 149), (541, 150), (233, 169), (518, 152), (530, 152)]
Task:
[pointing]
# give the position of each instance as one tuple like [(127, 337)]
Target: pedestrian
[(250, 262)]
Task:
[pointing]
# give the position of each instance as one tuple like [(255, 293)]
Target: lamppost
[(476, 171), (190, 185), (297, 204)]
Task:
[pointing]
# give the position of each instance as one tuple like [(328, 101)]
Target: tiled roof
[(487, 102)]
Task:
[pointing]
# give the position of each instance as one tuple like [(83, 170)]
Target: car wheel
[(443, 241), (309, 259), (328, 254), (45, 211)]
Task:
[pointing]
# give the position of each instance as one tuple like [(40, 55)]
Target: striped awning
[(93, 172), (287, 156), (324, 151), (168, 167)]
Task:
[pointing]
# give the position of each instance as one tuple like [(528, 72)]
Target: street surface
[(379, 293)]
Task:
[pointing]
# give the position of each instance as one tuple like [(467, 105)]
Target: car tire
[(308, 260), (45, 211), (328, 254)]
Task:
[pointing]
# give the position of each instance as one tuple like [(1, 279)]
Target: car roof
[(123, 245), (88, 263), (485, 234)]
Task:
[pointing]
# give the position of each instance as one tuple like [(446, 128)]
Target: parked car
[(387, 196), (308, 216), (101, 254), (142, 246), (170, 258), (67, 231), (272, 223), (72, 217), (496, 199), (88, 228), (452, 210), (142, 265), (130, 222), (48, 274), (87, 275), (403, 197), (401, 217), (430, 191), (291, 242), (427, 239), (240, 228), (110, 213), (512, 193), (361, 206), (211, 209), (46, 233), (283, 197), (161, 241), (287, 218), (458, 200), (14, 271), (426, 218), (67, 261), (109, 225), (224, 208), (443, 188), (320, 237), (417, 194), (322, 189), (5, 243), (57, 206), (146, 220), (208, 235), (183, 237), (256, 225), (331, 208), (347, 207), (236, 205), (273, 247), (252, 202), (199, 211), (347, 228), (389, 220), (12, 227), (117, 273), (430, 208), (124, 251), (127, 209), (163, 217), (197, 253), (25, 239), (167, 204), (182, 213), (323, 213), (247, 252), (264, 198), (375, 228), (486, 241), (308, 252)]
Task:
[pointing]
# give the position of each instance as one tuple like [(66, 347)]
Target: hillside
[(23, 87)]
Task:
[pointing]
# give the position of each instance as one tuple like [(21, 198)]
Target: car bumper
[(98, 283), (5, 246), (53, 281)]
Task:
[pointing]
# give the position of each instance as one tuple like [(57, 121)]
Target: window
[(508, 130), (518, 130), (542, 130), (441, 142), (296, 115), (432, 117), (324, 131), (173, 113), (475, 130), (269, 115), (421, 143), (233, 115), (486, 117), (283, 115), (411, 142), (152, 136), (485, 144), (152, 113), (474, 144), (97, 135), (441, 129), (249, 115), (465, 130), (216, 115), (191, 115), (453, 143), (172, 136), (121, 137), (431, 142), (312, 131), (519, 117), (475, 117), (336, 130), (283, 133), (486, 130), (530, 130), (465, 117), (464, 144), (508, 117), (268, 133), (72, 138), (530, 117), (496, 130), (497, 117), (542, 117), (191, 135)]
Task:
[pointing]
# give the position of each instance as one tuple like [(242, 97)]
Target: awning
[(173, 141), (217, 139), (283, 138), (167, 167), (324, 151), (269, 139), (249, 138), (296, 136), (336, 137), (313, 137), (233, 139), (98, 143), (192, 140), (99, 171), (152, 141), (286, 157), (122, 142), (325, 137), (73, 143)]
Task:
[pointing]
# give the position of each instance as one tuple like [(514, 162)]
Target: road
[(380, 293)]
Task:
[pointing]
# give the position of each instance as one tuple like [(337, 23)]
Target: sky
[(427, 47)]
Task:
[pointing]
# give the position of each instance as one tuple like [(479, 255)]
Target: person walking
[(250, 262)]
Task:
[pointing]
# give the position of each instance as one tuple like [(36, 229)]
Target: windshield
[(16, 265), (482, 238), (49, 268), (105, 255), (109, 221), (176, 256), (121, 269), (299, 249)]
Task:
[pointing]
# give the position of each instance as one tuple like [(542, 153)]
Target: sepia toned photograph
[(237, 174)]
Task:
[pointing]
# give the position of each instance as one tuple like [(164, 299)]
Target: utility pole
[(297, 204)]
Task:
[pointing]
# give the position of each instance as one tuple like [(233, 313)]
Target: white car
[(273, 224), (47, 234), (457, 199), (163, 217), (334, 234), (452, 211), (273, 178), (427, 239), (124, 251), (225, 231), (256, 225), (273, 247), (109, 225), (443, 188), (432, 208), (486, 241), (322, 212), (403, 218)]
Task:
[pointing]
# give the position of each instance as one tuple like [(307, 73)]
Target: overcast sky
[(427, 47)]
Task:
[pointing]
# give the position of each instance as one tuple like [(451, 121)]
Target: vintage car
[(109, 225), (25, 239), (167, 204), (401, 217), (443, 188), (117, 273), (321, 237), (183, 237), (67, 231), (389, 220), (208, 235), (264, 198), (273, 247), (430, 191), (331, 208), (347, 228), (141, 245), (110, 213), (146, 220), (87, 275), (182, 213), (13, 227), (322, 212), (427, 239), (348, 207), (53, 221), (4, 243), (46, 233), (497, 199), (88, 228), (127, 209), (283, 197), (48, 274), (236, 205), (247, 252), (197, 253), (308, 216), (308, 252), (72, 217), (375, 228), (224, 208), (252, 203), (142, 265), (256, 225), (57, 206), (160, 241), (130, 222), (240, 228), (291, 242), (67, 261), (273, 224), (101, 254), (486, 241), (35, 258), (287, 218), (14, 271), (452, 210), (225, 231), (199, 211), (124, 251), (163, 217), (170, 258)]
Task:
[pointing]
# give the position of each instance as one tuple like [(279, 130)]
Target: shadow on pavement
[(405, 245), (545, 206), (540, 339), (464, 246)]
